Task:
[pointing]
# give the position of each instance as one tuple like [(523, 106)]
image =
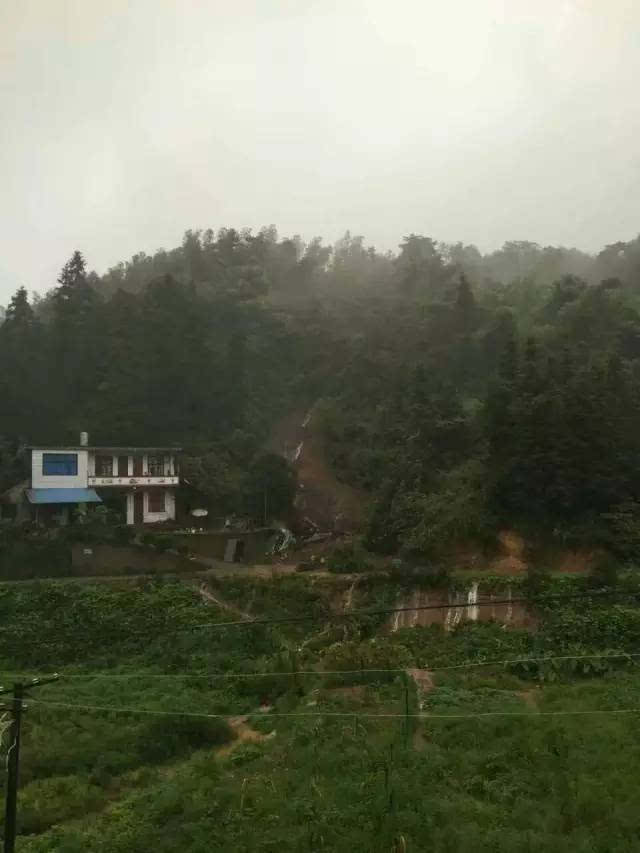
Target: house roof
[(102, 447), (63, 496)]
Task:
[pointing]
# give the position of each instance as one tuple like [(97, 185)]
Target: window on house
[(60, 464), (155, 466), (156, 502), (104, 466)]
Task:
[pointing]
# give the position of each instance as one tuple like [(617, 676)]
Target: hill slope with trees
[(462, 391)]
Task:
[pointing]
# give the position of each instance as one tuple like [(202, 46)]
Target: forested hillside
[(381, 705), (462, 391)]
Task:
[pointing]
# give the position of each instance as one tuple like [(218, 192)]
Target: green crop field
[(126, 751)]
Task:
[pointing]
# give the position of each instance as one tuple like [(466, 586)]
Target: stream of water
[(478, 607)]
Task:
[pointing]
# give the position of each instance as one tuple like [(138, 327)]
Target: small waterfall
[(457, 607), (454, 614), (472, 601), (348, 603), (447, 620), (396, 621), (416, 601), (297, 452), (458, 612)]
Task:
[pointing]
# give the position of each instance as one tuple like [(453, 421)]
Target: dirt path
[(244, 734), (424, 684), (348, 599), (423, 681), (208, 597), (530, 697)]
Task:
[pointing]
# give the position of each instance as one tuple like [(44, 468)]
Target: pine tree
[(76, 341), (465, 310), (23, 399), (501, 426), (19, 314)]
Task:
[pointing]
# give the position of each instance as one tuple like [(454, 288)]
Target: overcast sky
[(123, 123)]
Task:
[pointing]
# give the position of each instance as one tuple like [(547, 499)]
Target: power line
[(325, 672), (351, 614), (17, 708), (349, 714)]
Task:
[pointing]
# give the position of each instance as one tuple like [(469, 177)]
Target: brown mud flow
[(322, 499)]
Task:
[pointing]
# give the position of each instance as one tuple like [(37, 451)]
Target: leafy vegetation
[(333, 778), (462, 391)]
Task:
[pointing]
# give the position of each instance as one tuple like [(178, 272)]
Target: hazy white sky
[(124, 123)]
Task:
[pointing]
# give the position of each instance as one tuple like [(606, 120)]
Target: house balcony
[(137, 480)]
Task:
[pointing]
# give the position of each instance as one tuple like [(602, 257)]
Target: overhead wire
[(355, 614), (362, 671), (316, 714), (383, 611)]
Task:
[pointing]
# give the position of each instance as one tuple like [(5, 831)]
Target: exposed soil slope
[(321, 499)]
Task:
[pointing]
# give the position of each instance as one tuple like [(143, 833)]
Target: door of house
[(138, 507), (137, 466), (123, 466)]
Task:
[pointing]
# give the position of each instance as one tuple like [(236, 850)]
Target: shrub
[(457, 511), (430, 575), (605, 571), (163, 737), (349, 558), (622, 531)]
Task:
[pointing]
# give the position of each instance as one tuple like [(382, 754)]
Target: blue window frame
[(60, 464)]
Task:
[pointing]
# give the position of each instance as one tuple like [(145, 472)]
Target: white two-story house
[(139, 481)]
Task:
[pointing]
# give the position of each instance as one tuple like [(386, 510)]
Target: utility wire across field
[(325, 672), (383, 611), (342, 714)]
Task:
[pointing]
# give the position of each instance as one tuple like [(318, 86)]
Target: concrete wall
[(129, 505), (110, 560), (214, 544), (40, 481)]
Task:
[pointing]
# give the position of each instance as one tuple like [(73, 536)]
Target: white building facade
[(139, 481)]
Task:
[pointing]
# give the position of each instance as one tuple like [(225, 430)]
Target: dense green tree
[(517, 363), (21, 368), (420, 269), (465, 310)]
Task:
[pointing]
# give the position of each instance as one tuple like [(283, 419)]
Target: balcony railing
[(135, 480)]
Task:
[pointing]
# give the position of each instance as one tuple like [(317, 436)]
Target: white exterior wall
[(170, 508), (41, 481), (86, 479), (171, 505)]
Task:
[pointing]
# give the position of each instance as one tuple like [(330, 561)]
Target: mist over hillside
[(460, 392)]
